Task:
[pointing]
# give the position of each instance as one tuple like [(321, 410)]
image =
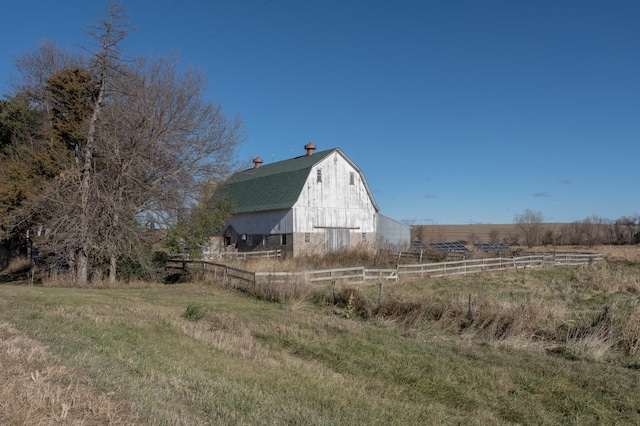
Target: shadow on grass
[(177, 278), (15, 277)]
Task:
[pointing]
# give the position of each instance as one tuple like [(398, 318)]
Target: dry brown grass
[(18, 264), (607, 325), (357, 256), (629, 330), (537, 322), (36, 390), (248, 362), (294, 289), (65, 280), (608, 278), (629, 254), (537, 325)]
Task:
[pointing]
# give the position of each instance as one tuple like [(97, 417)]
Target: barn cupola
[(310, 147), (257, 162)]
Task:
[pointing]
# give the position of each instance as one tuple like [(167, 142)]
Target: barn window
[(283, 239), (352, 178), (265, 240), (319, 175), (249, 240), (307, 237), (364, 236)]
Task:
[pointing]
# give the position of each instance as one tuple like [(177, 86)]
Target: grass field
[(545, 346)]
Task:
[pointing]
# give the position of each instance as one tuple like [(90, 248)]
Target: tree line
[(530, 229), (99, 150), (592, 230)]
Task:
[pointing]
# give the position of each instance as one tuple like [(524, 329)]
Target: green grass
[(247, 361)]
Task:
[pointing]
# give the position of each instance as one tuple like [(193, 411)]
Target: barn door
[(335, 239)]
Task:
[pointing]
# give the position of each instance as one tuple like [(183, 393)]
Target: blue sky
[(456, 111)]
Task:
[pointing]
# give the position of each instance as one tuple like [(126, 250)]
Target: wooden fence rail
[(357, 275), (244, 255)]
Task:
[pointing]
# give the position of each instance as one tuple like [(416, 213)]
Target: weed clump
[(193, 312)]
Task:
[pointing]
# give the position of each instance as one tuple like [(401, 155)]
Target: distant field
[(533, 346), (472, 232)]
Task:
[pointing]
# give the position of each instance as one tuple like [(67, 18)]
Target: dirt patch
[(37, 390)]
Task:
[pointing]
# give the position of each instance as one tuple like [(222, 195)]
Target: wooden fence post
[(380, 296)]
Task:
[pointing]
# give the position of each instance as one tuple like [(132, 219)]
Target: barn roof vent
[(257, 162), (310, 147)]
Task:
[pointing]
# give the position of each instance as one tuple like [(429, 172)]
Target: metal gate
[(336, 239)]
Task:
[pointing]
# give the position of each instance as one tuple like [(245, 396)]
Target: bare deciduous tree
[(37, 66), (591, 230), (162, 142), (627, 230), (530, 223), (150, 142)]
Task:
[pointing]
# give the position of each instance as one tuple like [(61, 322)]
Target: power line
[(138, 35), (228, 26)]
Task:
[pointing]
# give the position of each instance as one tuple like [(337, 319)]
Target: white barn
[(313, 203)]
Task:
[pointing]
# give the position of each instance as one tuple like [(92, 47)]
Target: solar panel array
[(450, 247), (417, 244), (492, 247)]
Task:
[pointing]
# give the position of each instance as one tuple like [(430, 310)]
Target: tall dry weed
[(490, 319), (598, 344), (57, 279), (499, 320), (359, 255), (625, 322), (292, 289), (18, 265), (605, 277)]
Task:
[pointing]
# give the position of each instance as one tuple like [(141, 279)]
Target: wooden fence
[(248, 254), (357, 275)]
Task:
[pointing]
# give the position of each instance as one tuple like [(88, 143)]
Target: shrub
[(160, 259), (353, 302), (130, 269)]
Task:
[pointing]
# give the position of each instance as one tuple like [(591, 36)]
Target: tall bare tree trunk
[(102, 63), (112, 269), (83, 255), (85, 188)]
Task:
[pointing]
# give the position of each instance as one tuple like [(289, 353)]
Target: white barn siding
[(340, 200), (271, 222), (392, 234)]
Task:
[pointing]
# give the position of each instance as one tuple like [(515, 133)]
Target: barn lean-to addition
[(310, 204)]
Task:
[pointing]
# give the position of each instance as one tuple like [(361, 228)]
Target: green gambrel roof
[(274, 186)]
